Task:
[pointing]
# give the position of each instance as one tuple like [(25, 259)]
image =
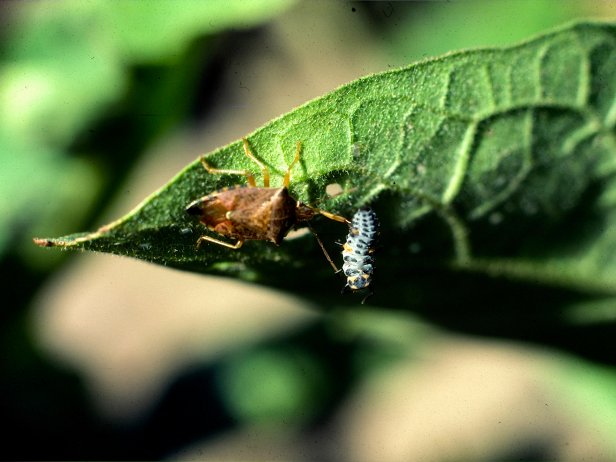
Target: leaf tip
[(44, 242)]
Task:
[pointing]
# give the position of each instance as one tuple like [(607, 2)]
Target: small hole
[(333, 189)]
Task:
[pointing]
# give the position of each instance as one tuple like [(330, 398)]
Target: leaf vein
[(461, 167)]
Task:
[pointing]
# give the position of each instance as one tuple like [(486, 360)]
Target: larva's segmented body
[(357, 251)]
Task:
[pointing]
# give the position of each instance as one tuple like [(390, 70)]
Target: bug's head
[(304, 212)]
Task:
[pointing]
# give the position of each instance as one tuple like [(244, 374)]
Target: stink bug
[(257, 213), (357, 251)]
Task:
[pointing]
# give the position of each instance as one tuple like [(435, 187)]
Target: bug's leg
[(222, 171), (287, 176), (235, 246), (329, 259), (264, 169)]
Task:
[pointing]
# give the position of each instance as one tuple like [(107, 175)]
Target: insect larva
[(357, 251)]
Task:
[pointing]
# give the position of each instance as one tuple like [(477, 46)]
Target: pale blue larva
[(357, 251)]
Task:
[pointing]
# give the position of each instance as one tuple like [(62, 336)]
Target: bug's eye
[(194, 209)]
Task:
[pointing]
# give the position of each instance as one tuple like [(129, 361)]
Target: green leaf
[(496, 161), (177, 22), (586, 391), (476, 23)]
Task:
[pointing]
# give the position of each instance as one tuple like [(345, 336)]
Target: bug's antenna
[(329, 259)]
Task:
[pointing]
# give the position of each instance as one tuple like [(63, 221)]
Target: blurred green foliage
[(66, 64), (476, 23), (282, 385)]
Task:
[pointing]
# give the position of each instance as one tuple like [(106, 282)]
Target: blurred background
[(105, 357)]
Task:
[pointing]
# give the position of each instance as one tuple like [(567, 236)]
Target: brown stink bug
[(257, 213)]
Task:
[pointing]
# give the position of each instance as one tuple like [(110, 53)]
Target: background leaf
[(63, 67)]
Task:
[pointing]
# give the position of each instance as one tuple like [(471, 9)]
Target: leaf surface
[(495, 161)]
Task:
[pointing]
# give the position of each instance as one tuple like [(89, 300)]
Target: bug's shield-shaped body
[(251, 213)]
